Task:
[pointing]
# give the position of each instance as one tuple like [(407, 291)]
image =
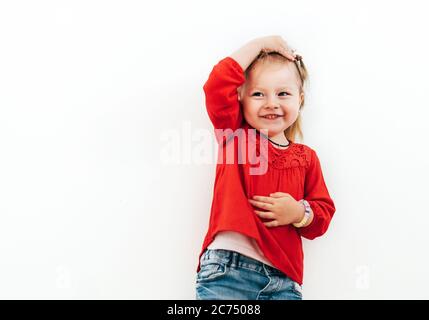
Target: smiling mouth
[(271, 116)]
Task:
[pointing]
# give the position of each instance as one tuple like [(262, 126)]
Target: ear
[(239, 92), (301, 98)]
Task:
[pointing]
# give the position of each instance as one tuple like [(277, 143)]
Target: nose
[(271, 104)]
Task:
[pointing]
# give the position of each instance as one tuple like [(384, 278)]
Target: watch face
[(307, 205)]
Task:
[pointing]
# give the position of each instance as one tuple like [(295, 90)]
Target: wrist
[(306, 217), (246, 54), (300, 212)]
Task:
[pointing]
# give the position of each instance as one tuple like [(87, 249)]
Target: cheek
[(250, 110), (290, 109)]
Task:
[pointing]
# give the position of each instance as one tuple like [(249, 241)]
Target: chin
[(276, 128)]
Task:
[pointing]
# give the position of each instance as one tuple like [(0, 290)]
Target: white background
[(91, 209)]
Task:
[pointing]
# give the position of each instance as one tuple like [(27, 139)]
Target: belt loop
[(205, 254), (235, 258)]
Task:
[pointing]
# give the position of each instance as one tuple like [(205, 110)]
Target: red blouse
[(295, 170)]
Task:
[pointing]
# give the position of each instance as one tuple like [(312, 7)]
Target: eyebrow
[(283, 87)]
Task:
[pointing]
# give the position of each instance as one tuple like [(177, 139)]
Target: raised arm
[(221, 94), (221, 87), (247, 53)]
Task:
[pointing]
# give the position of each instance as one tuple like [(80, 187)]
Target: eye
[(283, 92)]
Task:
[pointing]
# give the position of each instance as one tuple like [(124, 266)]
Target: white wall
[(89, 208)]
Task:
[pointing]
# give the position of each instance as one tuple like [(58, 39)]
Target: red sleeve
[(220, 90), (317, 195)]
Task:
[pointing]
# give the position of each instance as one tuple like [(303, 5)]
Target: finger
[(263, 199), (287, 53), (279, 194), (262, 205), (290, 56), (265, 214), (273, 223)]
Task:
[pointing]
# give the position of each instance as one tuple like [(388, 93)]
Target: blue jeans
[(229, 275)]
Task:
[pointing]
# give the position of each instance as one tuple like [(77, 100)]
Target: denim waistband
[(234, 259)]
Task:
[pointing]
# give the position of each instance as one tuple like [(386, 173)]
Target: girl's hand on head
[(276, 44), (281, 208), (247, 53)]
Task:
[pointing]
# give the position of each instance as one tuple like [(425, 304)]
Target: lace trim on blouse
[(296, 155)]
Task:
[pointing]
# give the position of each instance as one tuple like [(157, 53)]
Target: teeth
[(271, 116)]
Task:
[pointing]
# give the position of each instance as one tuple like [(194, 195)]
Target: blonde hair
[(275, 57)]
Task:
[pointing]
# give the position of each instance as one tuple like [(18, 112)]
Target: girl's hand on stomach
[(281, 208)]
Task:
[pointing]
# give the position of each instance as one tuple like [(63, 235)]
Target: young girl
[(253, 249)]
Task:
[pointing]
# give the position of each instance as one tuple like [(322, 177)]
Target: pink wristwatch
[(306, 214)]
